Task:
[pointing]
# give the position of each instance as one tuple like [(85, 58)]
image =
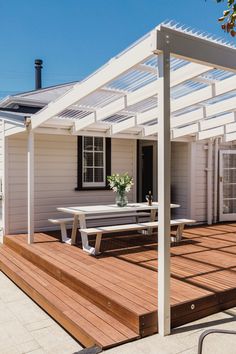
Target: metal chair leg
[(211, 331)]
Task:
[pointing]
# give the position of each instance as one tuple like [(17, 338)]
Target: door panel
[(147, 171), (227, 185)]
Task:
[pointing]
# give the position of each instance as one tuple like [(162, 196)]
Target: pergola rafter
[(121, 102)]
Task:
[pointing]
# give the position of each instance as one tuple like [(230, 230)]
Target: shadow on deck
[(112, 299)]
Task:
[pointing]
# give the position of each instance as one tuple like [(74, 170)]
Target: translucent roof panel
[(175, 63), (99, 99), (186, 88), (117, 118), (73, 114), (217, 74), (144, 105), (132, 80), (221, 98), (186, 110)]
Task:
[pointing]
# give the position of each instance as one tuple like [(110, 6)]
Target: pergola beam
[(124, 125), (188, 130), (211, 133), (148, 130), (83, 123), (147, 116), (199, 50), (230, 128), (230, 137), (216, 122), (223, 106)]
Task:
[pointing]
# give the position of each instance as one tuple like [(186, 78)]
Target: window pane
[(229, 160), (229, 207), (229, 176), (98, 144), (88, 159), (98, 159), (229, 191), (88, 175), (88, 143), (98, 175)]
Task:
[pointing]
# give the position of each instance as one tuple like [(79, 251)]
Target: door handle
[(221, 179)]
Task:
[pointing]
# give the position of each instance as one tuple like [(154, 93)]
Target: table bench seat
[(99, 231), (64, 222)]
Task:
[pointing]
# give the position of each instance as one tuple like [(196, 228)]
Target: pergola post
[(164, 155), (30, 182)]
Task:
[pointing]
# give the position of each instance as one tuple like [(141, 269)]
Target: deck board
[(123, 280)]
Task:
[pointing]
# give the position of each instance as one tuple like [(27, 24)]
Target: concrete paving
[(26, 328), (184, 339)]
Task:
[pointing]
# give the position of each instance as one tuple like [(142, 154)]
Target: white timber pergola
[(173, 84)]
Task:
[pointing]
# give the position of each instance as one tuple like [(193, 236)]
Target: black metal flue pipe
[(38, 73)]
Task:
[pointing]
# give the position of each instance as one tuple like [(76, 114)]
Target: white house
[(58, 144), (116, 119)]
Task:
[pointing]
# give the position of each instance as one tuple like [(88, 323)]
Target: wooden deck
[(112, 299)]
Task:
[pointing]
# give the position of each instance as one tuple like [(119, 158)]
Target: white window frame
[(223, 216)]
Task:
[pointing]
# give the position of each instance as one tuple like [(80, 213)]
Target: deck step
[(87, 322), (77, 272)]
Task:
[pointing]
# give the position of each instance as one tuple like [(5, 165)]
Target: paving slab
[(26, 328), (184, 339)]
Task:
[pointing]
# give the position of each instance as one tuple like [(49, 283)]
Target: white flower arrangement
[(120, 183)]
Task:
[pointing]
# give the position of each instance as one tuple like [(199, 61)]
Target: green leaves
[(229, 18), (230, 2), (226, 13)]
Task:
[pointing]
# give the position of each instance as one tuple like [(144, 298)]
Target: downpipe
[(216, 168), (209, 170)]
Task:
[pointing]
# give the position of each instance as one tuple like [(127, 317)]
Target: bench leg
[(64, 237), (179, 232), (74, 230), (152, 217), (98, 243), (85, 244)]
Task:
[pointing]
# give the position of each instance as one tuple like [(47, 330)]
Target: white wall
[(1, 167), (179, 178), (201, 181), (56, 177)]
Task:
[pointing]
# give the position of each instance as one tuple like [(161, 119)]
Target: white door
[(227, 185)]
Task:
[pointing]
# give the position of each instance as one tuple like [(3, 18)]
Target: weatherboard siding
[(56, 177), (201, 181), (1, 149), (179, 178), (1, 165)]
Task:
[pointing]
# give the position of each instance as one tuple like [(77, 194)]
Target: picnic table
[(82, 213)]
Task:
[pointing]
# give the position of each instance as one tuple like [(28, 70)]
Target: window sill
[(81, 189)]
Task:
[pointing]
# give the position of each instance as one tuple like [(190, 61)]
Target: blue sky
[(75, 37)]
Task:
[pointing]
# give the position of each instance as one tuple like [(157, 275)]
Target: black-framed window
[(94, 162)]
